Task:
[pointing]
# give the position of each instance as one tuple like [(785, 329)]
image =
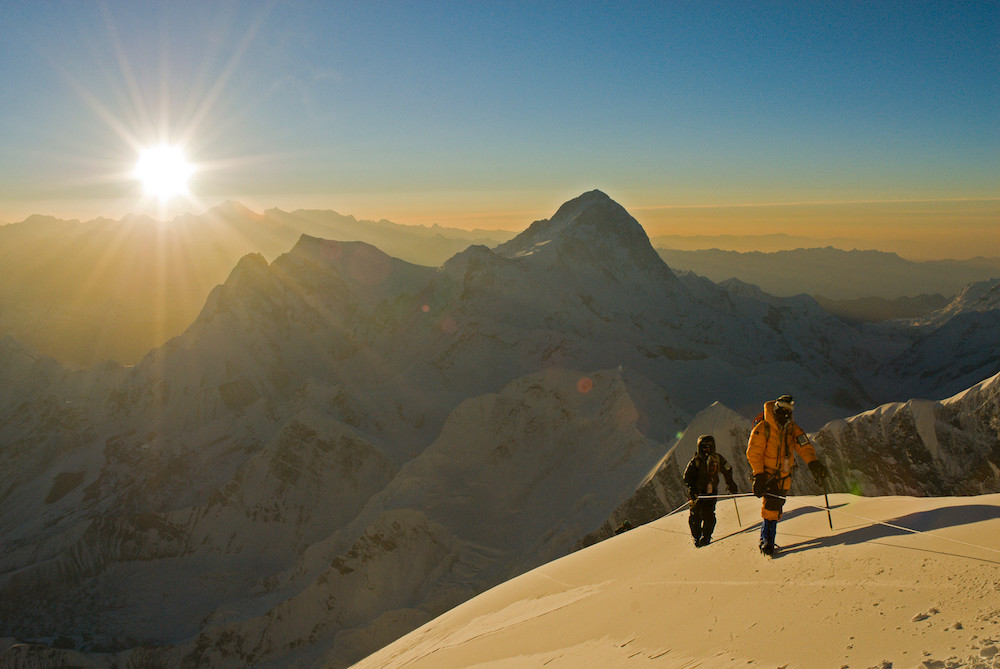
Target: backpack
[(767, 426), (712, 465)]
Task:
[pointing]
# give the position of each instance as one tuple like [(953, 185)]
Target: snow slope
[(865, 594)]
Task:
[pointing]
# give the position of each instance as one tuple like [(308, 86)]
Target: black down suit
[(701, 477)]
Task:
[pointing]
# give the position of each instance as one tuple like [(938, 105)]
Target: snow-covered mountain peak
[(725, 425), (589, 217), (591, 231), (978, 296), (591, 208)]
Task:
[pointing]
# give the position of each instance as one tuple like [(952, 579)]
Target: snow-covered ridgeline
[(343, 445)]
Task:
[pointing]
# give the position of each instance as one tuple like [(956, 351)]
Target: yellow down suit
[(770, 451)]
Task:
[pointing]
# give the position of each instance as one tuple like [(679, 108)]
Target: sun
[(164, 171)]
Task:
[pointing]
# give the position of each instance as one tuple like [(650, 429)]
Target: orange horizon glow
[(916, 228)]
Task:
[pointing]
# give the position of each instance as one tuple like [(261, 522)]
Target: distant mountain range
[(835, 274), (344, 444), (875, 309), (86, 292), (774, 242), (765, 243)]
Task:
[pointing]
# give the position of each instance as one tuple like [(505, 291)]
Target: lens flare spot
[(425, 308), (585, 385)]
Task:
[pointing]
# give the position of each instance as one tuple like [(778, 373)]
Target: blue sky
[(493, 113)]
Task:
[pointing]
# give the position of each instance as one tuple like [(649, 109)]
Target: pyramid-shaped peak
[(591, 218), (589, 199), (592, 208)]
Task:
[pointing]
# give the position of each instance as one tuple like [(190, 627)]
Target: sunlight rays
[(162, 138)]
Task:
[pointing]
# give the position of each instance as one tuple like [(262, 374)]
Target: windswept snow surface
[(864, 594)]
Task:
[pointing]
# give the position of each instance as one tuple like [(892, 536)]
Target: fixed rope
[(907, 529), (895, 527), (687, 504), (829, 509)]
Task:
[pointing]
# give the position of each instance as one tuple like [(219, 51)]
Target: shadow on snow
[(914, 523)]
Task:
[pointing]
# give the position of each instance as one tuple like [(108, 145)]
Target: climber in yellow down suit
[(773, 442)]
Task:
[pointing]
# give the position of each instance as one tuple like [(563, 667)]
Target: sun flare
[(164, 171)]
